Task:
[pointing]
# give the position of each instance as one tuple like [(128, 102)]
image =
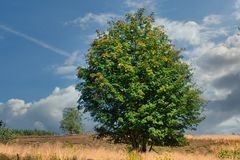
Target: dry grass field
[(87, 147)]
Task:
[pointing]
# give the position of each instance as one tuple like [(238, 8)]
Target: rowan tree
[(136, 85)]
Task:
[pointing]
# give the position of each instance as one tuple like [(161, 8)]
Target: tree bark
[(135, 144), (150, 149), (143, 146)]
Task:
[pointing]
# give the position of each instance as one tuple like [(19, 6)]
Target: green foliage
[(134, 156), (166, 158), (35, 132), (6, 135), (136, 85), (229, 154), (71, 122)]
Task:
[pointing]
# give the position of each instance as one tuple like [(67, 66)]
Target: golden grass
[(48, 151), (200, 148), (214, 137)]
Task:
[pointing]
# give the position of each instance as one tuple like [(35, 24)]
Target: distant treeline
[(32, 132)]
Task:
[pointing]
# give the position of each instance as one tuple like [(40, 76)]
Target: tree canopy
[(6, 134), (136, 85), (71, 122)]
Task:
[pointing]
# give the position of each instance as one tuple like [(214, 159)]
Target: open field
[(87, 147)]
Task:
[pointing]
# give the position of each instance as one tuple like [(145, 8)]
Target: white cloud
[(91, 18), (42, 114), (190, 32), (213, 50), (181, 31), (232, 122), (226, 126), (63, 70), (216, 61), (203, 52), (212, 19), (68, 69), (16, 107)]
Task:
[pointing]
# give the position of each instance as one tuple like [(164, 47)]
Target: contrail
[(34, 40)]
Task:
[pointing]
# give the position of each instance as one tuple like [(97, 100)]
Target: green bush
[(6, 135), (34, 132), (229, 154)]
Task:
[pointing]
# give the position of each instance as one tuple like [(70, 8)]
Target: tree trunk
[(135, 144), (143, 146), (150, 149)]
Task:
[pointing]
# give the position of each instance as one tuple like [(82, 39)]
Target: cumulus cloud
[(231, 123), (68, 68), (213, 50), (212, 19), (181, 31), (92, 18), (190, 32), (16, 107), (222, 115), (217, 70), (218, 61), (45, 113)]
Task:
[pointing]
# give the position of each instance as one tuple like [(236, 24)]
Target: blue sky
[(42, 43)]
